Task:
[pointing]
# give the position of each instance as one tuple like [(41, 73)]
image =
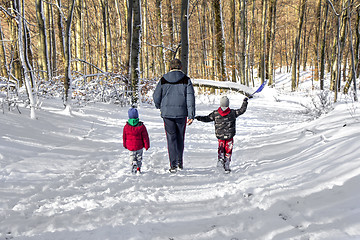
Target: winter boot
[(227, 166), (134, 167), (180, 166), (173, 169), (220, 163)]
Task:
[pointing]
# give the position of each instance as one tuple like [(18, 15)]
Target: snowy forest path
[(73, 175)]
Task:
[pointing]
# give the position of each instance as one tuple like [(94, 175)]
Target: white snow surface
[(68, 176)]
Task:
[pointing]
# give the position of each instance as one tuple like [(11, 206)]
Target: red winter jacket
[(135, 138)]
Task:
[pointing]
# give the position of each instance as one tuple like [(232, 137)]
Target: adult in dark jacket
[(174, 96), (225, 128)]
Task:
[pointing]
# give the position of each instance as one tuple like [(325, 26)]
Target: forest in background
[(130, 42)]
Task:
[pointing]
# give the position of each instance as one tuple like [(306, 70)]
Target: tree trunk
[(158, 4), (61, 32), (262, 68), (20, 17), (68, 77), (14, 51), (3, 62), (106, 33), (220, 40), (78, 21), (271, 39), (53, 41), (170, 25), (297, 45), (250, 48), (353, 61), (185, 35), (242, 45), (135, 51), (232, 48), (129, 33), (44, 63), (202, 24), (338, 46), (317, 40), (322, 48)]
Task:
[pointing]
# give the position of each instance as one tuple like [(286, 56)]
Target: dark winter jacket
[(135, 137), (174, 96), (225, 121)]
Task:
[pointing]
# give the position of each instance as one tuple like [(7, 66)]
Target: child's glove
[(197, 118), (246, 99)]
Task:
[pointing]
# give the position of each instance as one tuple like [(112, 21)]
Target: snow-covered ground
[(293, 177)]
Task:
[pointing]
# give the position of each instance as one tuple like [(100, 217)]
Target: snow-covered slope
[(68, 177)]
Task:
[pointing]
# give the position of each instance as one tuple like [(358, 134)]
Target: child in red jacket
[(135, 138)]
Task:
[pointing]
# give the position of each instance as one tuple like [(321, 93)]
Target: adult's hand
[(190, 121)]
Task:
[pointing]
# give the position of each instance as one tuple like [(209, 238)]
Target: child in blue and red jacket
[(135, 138), (225, 128)]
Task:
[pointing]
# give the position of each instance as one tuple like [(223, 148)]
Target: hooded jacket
[(174, 96), (135, 137), (225, 121)]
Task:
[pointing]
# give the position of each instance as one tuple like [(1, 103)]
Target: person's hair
[(175, 64)]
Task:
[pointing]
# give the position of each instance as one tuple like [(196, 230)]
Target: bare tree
[(322, 48), (129, 27), (3, 62), (232, 48), (219, 40), (271, 40), (338, 46), (242, 45), (295, 57), (317, 40), (20, 18), (44, 61), (158, 4), (135, 51), (185, 35), (353, 61), (78, 22), (262, 67), (68, 76)]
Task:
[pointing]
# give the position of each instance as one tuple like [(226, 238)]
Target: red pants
[(225, 150)]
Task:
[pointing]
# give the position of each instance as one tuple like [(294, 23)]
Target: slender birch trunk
[(20, 18)]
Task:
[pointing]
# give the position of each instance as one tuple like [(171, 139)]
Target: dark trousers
[(175, 134)]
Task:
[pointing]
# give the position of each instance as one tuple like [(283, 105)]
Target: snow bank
[(68, 177)]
